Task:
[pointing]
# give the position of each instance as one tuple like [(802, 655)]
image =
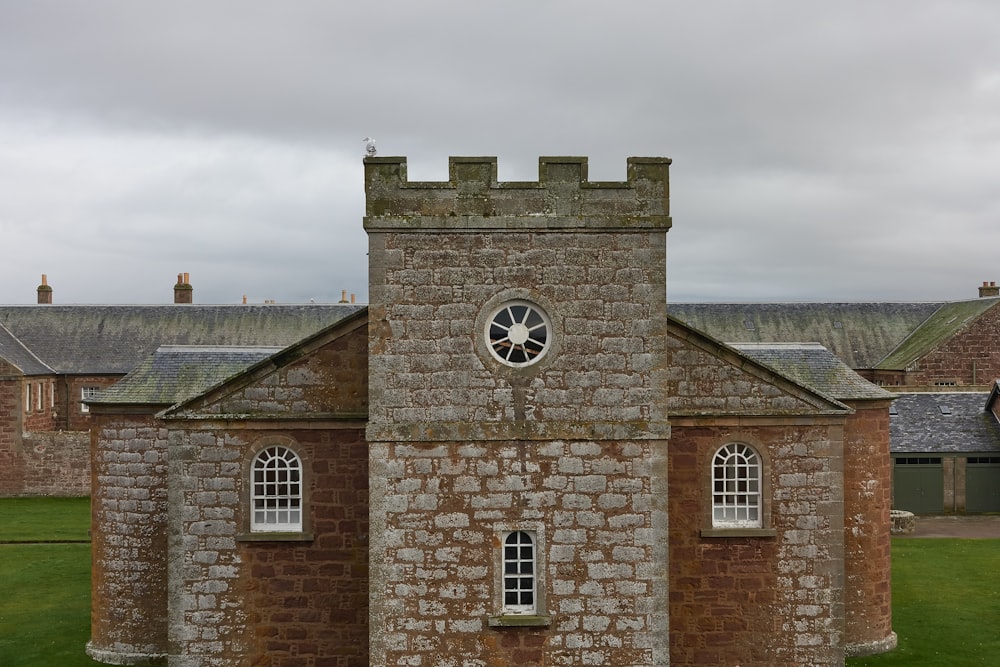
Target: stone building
[(512, 456), (942, 359)]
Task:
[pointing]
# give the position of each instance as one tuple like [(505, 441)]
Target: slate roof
[(954, 422), (13, 351), (860, 334), (940, 326), (175, 373), (814, 366), (102, 339)]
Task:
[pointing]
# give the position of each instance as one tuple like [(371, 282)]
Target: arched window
[(519, 577), (736, 487), (276, 491)]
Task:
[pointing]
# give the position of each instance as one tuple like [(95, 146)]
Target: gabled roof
[(175, 373), (705, 374), (206, 404), (954, 422), (94, 340), (940, 326), (860, 334), (14, 352), (814, 366)]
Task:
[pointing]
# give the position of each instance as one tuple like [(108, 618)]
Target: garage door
[(918, 484), (982, 484)]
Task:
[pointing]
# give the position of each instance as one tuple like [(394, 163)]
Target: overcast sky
[(822, 151)]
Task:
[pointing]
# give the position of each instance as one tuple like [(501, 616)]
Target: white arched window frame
[(736, 487), (276, 491), (520, 573)]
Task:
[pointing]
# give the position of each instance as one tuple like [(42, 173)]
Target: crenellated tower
[(517, 432)]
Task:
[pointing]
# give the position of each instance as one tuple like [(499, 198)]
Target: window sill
[(519, 621), (738, 532), (275, 537)]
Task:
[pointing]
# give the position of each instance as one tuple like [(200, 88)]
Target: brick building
[(512, 456)]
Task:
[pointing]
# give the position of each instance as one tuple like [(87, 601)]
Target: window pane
[(276, 493)]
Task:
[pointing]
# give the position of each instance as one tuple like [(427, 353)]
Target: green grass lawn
[(946, 592), (45, 599), (945, 604)]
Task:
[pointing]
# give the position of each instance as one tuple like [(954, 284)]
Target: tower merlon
[(472, 198)]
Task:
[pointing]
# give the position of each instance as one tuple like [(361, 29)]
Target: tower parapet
[(473, 199)]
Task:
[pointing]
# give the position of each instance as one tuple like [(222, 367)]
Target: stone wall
[(766, 600), (56, 463), (968, 358), (571, 448), (239, 598), (129, 541)]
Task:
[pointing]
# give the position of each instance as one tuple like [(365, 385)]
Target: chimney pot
[(44, 291), (183, 292)]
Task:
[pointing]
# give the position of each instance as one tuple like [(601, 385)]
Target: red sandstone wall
[(758, 601), (56, 463), (867, 548), (280, 603), (42, 417), (970, 357), (75, 419), (11, 452)]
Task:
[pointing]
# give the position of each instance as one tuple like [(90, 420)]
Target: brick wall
[(867, 548)]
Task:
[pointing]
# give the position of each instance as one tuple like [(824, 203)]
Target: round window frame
[(532, 306)]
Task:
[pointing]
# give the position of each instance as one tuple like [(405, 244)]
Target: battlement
[(472, 198)]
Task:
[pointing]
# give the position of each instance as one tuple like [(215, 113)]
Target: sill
[(738, 532), (519, 621), (290, 536)]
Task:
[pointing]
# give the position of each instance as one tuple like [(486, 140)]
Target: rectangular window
[(40, 395), (52, 394), (27, 397), (519, 573), (85, 394)]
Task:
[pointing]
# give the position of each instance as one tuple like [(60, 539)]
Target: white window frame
[(40, 397), (86, 393), (52, 394), (737, 487), (519, 572), (276, 491), (27, 398)]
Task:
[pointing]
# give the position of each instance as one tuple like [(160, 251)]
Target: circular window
[(517, 333)]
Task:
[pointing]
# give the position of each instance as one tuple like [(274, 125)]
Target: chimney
[(44, 291), (986, 290), (343, 296), (183, 292)]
